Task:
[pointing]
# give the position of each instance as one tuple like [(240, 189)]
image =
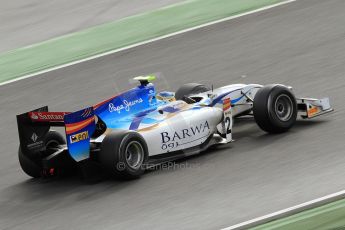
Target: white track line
[(145, 42), (288, 211)]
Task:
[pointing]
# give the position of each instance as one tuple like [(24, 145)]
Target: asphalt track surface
[(23, 22), (300, 44)]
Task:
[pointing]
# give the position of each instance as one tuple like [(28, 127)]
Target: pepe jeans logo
[(126, 105), (172, 140)]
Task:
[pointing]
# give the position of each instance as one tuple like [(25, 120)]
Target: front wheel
[(275, 108), (123, 154)]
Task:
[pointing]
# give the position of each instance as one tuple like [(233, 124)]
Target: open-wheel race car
[(138, 128)]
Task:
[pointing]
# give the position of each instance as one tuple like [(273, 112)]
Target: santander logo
[(34, 116), (47, 116)]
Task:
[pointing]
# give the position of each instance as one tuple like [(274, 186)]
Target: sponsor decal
[(34, 116), (79, 137), (313, 111), (226, 104), (173, 140), (35, 145), (47, 116), (34, 137), (87, 112), (126, 105)]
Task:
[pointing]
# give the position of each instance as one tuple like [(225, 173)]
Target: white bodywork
[(186, 129), (194, 124)]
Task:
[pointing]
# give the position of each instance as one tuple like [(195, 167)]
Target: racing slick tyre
[(275, 108), (123, 154), (52, 140), (32, 167), (189, 89)]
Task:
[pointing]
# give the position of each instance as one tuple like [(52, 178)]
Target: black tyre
[(52, 140), (190, 89), (275, 108), (32, 167), (123, 154)]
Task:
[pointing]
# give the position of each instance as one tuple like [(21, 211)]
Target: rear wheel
[(123, 154), (189, 89), (32, 167), (275, 108)]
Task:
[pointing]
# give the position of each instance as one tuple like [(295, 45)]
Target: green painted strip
[(114, 35), (330, 216)]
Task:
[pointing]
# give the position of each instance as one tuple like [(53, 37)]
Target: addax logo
[(185, 133), (79, 137), (36, 145), (126, 105)]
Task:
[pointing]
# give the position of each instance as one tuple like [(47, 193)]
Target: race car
[(139, 128)]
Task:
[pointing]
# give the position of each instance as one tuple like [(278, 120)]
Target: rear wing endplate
[(79, 127)]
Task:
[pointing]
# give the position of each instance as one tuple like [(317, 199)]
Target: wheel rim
[(283, 107), (134, 154)]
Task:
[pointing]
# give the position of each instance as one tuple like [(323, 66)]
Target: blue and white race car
[(139, 128)]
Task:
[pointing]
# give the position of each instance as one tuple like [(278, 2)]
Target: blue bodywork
[(124, 111), (128, 108), (79, 127)]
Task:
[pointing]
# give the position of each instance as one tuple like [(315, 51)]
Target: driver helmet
[(166, 96)]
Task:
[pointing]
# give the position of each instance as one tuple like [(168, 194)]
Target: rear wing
[(79, 126), (51, 118)]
